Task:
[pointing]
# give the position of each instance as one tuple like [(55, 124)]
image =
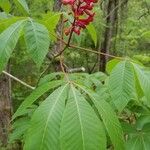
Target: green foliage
[(22, 5), (122, 84), (144, 80), (109, 118), (5, 5), (9, 40), (50, 21), (76, 115), (77, 111), (92, 31), (45, 130), (37, 40), (35, 95), (138, 134), (36, 36), (19, 128), (79, 117)]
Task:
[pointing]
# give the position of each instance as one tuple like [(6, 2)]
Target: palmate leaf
[(109, 118), (122, 84), (65, 122), (37, 41), (111, 64), (37, 93), (51, 21), (19, 129), (139, 142), (111, 122), (8, 41), (44, 130), (92, 31), (143, 79), (5, 5), (22, 5), (139, 136), (81, 129), (51, 77), (6, 22)]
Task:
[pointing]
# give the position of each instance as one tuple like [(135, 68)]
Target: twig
[(100, 53), (85, 49), (18, 80)]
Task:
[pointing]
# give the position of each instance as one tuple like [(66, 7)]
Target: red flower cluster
[(83, 15)]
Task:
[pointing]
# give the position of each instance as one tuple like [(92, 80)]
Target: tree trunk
[(111, 21), (58, 45), (5, 108)]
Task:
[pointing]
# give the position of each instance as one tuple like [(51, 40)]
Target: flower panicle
[(82, 13)]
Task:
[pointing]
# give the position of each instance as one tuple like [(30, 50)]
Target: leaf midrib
[(34, 31), (122, 83), (9, 37), (50, 113), (80, 120), (98, 104)]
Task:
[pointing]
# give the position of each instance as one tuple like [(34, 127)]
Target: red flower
[(65, 2), (83, 15)]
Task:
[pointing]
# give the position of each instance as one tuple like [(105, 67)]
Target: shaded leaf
[(81, 129), (144, 80), (92, 31), (9, 39), (5, 5), (109, 118), (122, 84), (22, 5), (37, 41), (37, 93), (45, 123)]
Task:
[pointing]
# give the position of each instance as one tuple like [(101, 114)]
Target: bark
[(123, 15), (5, 108), (111, 23), (57, 48)]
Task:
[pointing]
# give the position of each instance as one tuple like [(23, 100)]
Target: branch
[(73, 70), (93, 51), (81, 48), (18, 80)]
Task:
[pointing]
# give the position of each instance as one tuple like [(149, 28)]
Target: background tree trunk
[(58, 44), (111, 25), (5, 107)]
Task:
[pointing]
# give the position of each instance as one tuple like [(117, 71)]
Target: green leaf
[(5, 5), (144, 80), (45, 123), (81, 129), (139, 139), (109, 119), (128, 128), (51, 22), (22, 5), (37, 41), (92, 31), (138, 143), (122, 84), (111, 123), (51, 77), (111, 64), (19, 129), (9, 20), (142, 120), (9, 39), (37, 93)]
